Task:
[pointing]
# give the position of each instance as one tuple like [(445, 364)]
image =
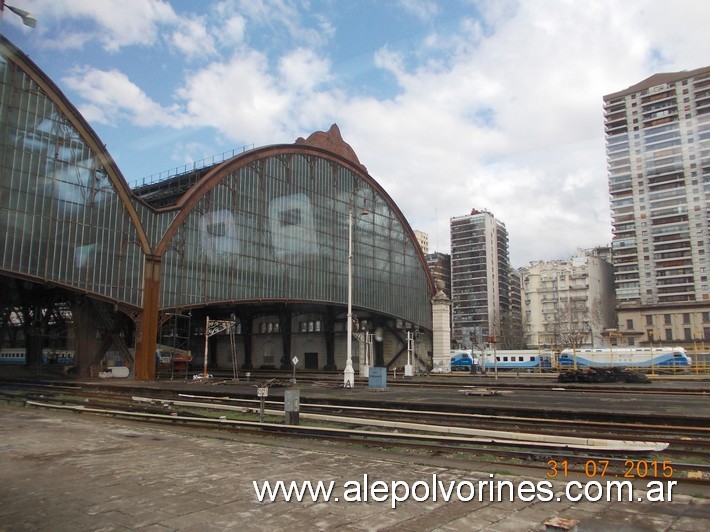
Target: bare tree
[(571, 326), (512, 335)]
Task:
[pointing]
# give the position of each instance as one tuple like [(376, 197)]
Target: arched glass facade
[(277, 228), (269, 227), (61, 219)]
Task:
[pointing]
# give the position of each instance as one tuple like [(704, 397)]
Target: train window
[(520, 359), (505, 359), (532, 359)]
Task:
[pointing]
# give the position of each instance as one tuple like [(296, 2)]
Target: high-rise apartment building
[(568, 302), (423, 239), (512, 334), (480, 278), (658, 152)]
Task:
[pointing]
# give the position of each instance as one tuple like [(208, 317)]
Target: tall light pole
[(349, 372), (26, 16)]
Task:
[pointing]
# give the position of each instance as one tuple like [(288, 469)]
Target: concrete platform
[(63, 471)]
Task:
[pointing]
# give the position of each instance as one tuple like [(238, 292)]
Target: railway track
[(527, 382), (686, 456), (700, 435), (679, 438)]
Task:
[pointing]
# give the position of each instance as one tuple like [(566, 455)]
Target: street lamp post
[(26, 16), (349, 372)]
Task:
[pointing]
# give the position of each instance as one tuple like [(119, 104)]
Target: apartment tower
[(480, 278), (658, 153)]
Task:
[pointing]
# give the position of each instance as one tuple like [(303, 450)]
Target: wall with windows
[(686, 327)]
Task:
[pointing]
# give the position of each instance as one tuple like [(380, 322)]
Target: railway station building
[(258, 240)]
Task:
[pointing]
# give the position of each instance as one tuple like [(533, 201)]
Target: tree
[(570, 325)]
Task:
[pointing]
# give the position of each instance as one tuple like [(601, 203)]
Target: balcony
[(658, 97), (676, 298), (616, 129), (660, 120)]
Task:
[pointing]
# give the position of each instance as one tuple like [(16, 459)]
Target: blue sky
[(451, 105)]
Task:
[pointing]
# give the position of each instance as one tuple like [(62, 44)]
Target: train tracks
[(509, 380), (535, 444)]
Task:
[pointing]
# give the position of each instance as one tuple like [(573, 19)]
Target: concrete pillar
[(441, 337)]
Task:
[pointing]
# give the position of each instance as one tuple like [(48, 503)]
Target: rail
[(186, 168), (527, 442)]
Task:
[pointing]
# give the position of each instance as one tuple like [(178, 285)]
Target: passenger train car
[(624, 357), (17, 355), (521, 359)]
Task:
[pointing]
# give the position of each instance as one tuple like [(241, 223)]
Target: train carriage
[(520, 359), (18, 356), (11, 355), (624, 357)]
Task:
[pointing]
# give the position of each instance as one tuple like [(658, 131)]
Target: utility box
[(292, 407), (377, 378)]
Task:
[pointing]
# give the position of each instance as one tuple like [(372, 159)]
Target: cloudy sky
[(451, 105)]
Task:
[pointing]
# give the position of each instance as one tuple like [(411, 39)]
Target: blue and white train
[(17, 355), (521, 359), (624, 357)]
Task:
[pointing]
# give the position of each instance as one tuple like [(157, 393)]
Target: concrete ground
[(64, 471)]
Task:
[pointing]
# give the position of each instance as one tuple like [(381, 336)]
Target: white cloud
[(232, 31), (129, 22), (302, 70), (111, 97), (512, 121), (278, 16), (501, 109), (422, 9), (239, 98), (193, 39)]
